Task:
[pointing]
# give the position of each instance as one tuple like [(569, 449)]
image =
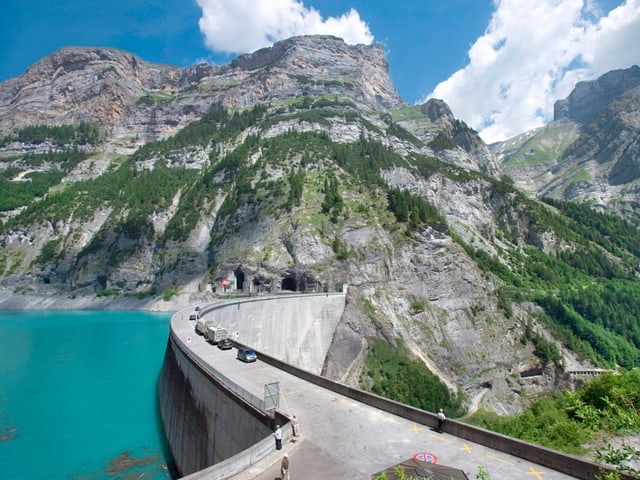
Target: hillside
[(300, 168), (590, 152)]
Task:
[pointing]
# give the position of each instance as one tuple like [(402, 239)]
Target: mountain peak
[(106, 85), (588, 99)]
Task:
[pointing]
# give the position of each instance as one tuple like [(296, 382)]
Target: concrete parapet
[(569, 464), (195, 401)]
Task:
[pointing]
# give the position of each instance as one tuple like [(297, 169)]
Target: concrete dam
[(199, 403), (219, 413)]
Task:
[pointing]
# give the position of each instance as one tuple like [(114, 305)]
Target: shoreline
[(27, 301)]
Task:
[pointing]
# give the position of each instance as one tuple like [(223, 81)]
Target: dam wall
[(204, 422), (207, 418), (295, 328)]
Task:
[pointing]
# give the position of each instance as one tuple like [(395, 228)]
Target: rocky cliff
[(590, 152), (295, 168), (139, 99)]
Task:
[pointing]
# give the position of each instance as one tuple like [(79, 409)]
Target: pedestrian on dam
[(278, 436), (295, 425), (441, 419), (284, 468)]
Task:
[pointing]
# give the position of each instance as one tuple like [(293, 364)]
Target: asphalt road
[(342, 438)]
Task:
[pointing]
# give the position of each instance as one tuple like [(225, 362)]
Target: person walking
[(295, 425), (441, 419), (284, 468), (278, 436)]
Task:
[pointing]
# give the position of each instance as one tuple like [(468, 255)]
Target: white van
[(215, 333), (202, 324)]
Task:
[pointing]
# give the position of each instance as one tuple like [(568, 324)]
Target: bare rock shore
[(12, 301)]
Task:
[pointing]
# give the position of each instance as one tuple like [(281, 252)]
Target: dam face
[(206, 417), (204, 422)]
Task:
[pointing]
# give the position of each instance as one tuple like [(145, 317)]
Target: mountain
[(147, 101), (299, 168), (590, 152)]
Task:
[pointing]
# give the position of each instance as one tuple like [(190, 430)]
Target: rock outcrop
[(590, 152), (136, 98)]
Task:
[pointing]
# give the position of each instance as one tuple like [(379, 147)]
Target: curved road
[(342, 438)]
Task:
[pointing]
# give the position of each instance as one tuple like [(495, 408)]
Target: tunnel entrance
[(239, 279), (289, 284)]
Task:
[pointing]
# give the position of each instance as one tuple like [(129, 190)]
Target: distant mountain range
[(590, 152), (299, 168)]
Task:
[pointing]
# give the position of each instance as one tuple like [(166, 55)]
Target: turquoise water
[(78, 395)]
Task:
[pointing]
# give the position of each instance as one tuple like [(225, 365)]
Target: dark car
[(225, 344), (247, 355)]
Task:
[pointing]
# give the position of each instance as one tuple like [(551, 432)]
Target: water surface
[(78, 395)]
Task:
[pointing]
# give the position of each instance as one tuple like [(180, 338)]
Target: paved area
[(342, 438)]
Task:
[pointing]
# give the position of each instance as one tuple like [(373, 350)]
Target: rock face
[(274, 174), (93, 85), (589, 99), (469, 140), (116, 89), (590, 152)]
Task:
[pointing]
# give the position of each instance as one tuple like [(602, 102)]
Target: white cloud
[(241, 26), (531, 56)]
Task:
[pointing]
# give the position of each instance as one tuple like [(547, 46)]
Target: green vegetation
[(47, 170), (589, 292), (339, 248), (296, 185), (442, 141), (333, 203), (61, 135), (403, 134), (546, 145), (154, 98), (406, 113), (606, 406), (413, 209), (395, 374), (418, 305), (545, 350)]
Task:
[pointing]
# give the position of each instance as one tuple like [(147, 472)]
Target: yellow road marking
[(501, 460), (440, 437), (534, 472), (466, 447)]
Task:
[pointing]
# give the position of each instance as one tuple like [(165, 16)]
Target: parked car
[(225, 344), (247, 355)]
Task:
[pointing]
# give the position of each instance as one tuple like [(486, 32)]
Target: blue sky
[(499, 64)]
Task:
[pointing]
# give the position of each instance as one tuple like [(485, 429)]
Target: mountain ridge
[(590, 152), (291, 176)]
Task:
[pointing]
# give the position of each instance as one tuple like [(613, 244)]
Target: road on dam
[(343, 438)]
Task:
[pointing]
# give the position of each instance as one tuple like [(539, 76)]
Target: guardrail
[(213, 373)]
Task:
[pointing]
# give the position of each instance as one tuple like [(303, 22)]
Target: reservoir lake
[(78, 395)]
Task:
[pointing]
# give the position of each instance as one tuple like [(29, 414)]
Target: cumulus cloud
[(531, 56), (241, 26)]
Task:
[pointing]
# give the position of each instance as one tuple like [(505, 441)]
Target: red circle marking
[(426, 457)]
